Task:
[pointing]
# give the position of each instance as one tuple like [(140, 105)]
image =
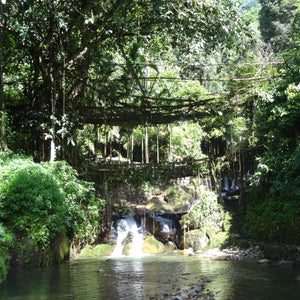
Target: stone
[(196, 239), (263, 261), (158, 205), (188, 252), (153, 246), (285, 263)]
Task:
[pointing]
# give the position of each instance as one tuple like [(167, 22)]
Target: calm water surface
[(129, 278)]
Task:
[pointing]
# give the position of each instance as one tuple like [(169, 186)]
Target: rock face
[(57, 252)]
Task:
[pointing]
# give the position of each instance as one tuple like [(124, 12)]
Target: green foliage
[(98, 54), (82, 217), (204, 213), (32, 202), (276, 19), (42, 200), (186, 141), (275, 207)]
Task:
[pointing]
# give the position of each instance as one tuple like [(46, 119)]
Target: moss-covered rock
[(227, 222), (6, 241), (196, 239), (178, 198), (219, 239), (3, 266), (96, 251), (27, 253), (158, 205), (153, 246)]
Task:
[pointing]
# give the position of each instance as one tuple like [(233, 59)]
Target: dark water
[(128, 278)]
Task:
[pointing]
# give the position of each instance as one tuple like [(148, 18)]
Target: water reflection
[(125, 273), (129, 278)]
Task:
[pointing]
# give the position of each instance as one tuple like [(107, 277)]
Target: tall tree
[(275, 19), (2, 102), (92, 54)]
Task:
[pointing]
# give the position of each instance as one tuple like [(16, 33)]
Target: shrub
[(33, 202), (82, 218), (208, 210), (42, 200), (274, 209)]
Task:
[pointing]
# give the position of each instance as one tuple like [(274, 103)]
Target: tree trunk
[(170, 142), (96, 141), (53, 104), (157, 145), (105, 144), (142, 150), (3, 145), (146, 145), (214, 171), (130, 147)]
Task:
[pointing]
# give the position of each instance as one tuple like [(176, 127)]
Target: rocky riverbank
[(194, 291), (234, 253), (253, 254), (262, 254)]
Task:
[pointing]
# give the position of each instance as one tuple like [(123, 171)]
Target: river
[(130, 278)]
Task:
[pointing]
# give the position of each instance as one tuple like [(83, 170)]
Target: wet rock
[(285, 263), (188, 252), (196, 291), (153, 246), (233, 253), (263, 261), (158, 205), (196, 239)]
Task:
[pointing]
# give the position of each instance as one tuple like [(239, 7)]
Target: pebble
[(234, 253), (196, 291)]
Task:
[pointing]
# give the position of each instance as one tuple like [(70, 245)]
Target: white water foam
[(127, 228)]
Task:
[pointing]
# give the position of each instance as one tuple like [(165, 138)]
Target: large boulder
[(158, 205), (152, 246), (196, 239)]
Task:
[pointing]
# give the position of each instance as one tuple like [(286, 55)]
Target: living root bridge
[(113, 169), (166, 112)]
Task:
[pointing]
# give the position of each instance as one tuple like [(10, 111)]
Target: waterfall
[(234, 187), (226, 185), (194, 203), (130, 230), (125, 229)]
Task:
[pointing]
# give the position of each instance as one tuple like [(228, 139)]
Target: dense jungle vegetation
[(211, 85)]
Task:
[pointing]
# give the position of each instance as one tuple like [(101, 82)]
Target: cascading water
[(131, 230), (229, 190), (194, 203), (125, 229), (226, 184)]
